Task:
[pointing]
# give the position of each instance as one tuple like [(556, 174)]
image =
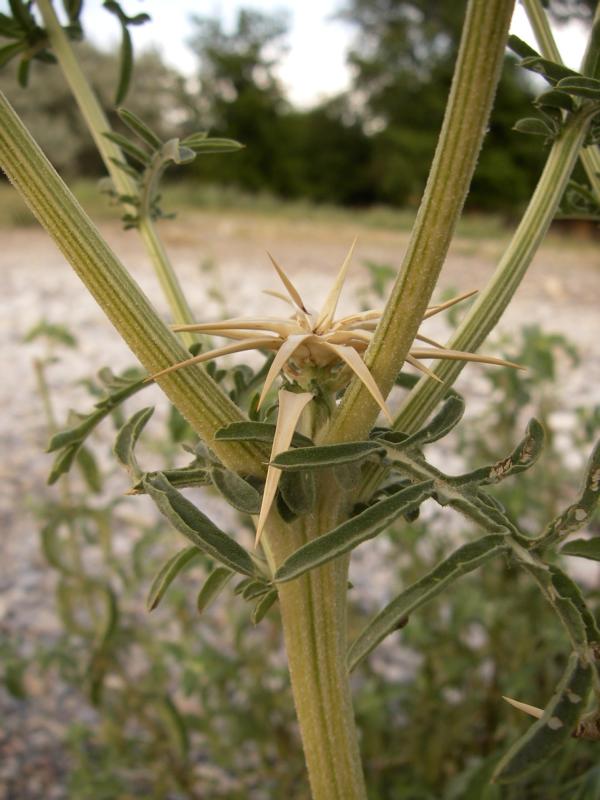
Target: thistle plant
[(326, 477)]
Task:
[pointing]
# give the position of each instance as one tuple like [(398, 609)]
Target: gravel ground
[(561, 293)]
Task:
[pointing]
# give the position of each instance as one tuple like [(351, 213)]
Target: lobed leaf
[(328, 455), (197, 527), (353, 532), (212, 587), (552, 731), (167, 574), (465, 559)]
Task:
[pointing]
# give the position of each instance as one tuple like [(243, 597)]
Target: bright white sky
[(314, 66)]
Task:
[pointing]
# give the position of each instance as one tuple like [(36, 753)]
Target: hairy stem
[(590, 157), (474, 84), (98, 125), (313, 611), (492, 302), (191, 390)]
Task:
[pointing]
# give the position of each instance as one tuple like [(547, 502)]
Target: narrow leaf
[(350, 534), (212, 587), (263, 606), (238, 492), (329, 455), (195, 526), (579, 513), (464, 560), (521, 48), (443, 422), (257, 432), (139, 127), (131, 149), (298, 491), (552, 731), (127, 438), (584, 548), (535, 126), (581, 86), (89, 469), (168, 573), (524, 456)]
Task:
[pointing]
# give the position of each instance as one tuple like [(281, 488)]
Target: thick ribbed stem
[(313, 611), (474, 84), (491, 303), (98, 125), (590, 157), (191, 390)]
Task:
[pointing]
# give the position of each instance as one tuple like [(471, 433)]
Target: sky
[(314, 66)]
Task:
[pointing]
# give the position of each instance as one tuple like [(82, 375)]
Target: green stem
[(191, 390), (313, 612), (474, 84), (590, 157), (513, 265), (98, 125)]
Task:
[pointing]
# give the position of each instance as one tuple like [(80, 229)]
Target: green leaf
[(181, 478), (127, 438), (213, 145), (197, 527), (9, 51), (55, 549), (350, 534), (584, 548), (555, 99), (329, 455), (298, 491), (238, 492), (257, 432), (21, 14), (535, 126), (212, 587), (443, 422), (256, 589), (524, 456), (580, 512), (465, 559), (89, 469), (131, 149), (549, 70), (167, 574), (263, 606), (175, 727), (581, 86), (139, 128), (521, 48), (69, 441), (552, 731)]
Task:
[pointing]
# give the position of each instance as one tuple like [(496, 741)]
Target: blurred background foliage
[(370, 145)]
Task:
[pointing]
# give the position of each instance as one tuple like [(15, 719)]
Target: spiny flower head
[(315, 351)]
